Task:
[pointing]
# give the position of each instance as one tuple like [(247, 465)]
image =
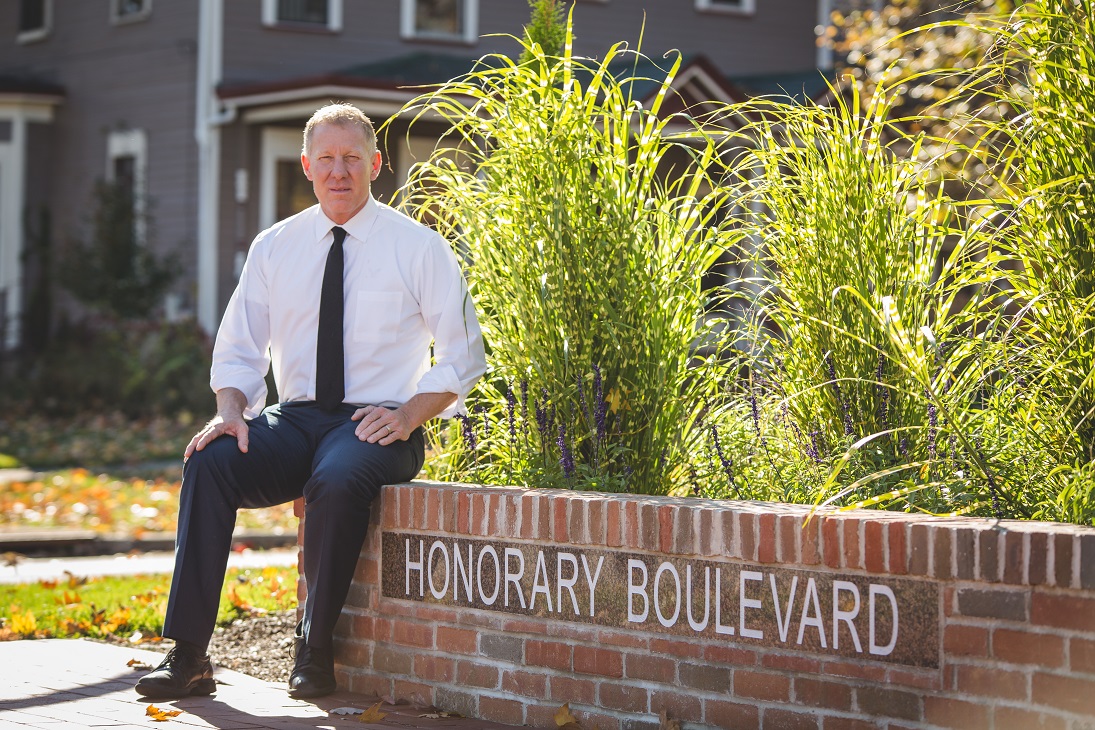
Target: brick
[(955, 714), (1010, 605), (849, 723), (451, 700), (433, 510), (509, 648), (853, 555), (624, 697), (434, 669), (707, 532), (456, 641), (1014, 563), (463, 512), (705, 677), (791, 663), (629, 641), (392, 661), (830, 541), (494, 515), (496, 709), (595, 521), (787, 720), (810, 542), (412, 634), (450, 509), (648, 527), (1087, 561), (1081, 654), (477, 675), (988, 548), (1022, 647), (549, 654), (874, 546), (919, 679), (991, 682), (568, 689), (1037, 559), (919, 549), (613, 524), (747, 532), (371, 684), (788, 528), (1061, 692), (766, 538), (729, 655), (731, 715), (541, 716), (819, 693), (941, 552), (679, 649), (415, 693), (667, 524), (677, 706), (526, 684), (880, 702), (1062, 560), (639, 725), (1063, 612), (1015, 718), (762, 685), (579, 519), (602, 662), (731, 545), (963, 544), (651, 669), (897, 548), (959, 640), (855, 669)]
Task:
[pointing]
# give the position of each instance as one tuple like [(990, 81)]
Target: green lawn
[(129, 607)]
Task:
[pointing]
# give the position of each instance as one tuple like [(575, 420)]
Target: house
[(198, 104)]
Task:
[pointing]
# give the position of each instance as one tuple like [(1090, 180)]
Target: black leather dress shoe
[(313, 672), (186, 670)]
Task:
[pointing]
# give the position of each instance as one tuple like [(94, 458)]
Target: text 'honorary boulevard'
[(868, 617)]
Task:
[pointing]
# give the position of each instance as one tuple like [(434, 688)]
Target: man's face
[(341, 166)]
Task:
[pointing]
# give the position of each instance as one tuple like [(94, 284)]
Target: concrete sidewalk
[(77, 684)]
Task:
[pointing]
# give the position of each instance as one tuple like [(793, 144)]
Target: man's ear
[(307, 165), (377, 164)]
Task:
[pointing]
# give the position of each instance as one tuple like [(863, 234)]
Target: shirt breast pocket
[(377, 316)]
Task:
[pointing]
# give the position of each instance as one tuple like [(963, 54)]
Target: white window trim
[(131, 143), (270, 16), (118, 19), (30, 36), (747, 7), (278, 144), (471, 24)]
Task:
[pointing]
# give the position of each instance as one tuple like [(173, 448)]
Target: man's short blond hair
[(342, 115)]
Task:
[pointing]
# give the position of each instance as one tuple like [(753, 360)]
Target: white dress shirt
[(403, 288)]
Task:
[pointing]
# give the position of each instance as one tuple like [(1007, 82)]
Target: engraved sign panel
[(820, 612)]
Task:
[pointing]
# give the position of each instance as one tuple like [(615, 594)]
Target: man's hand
[(229, 420), (382, 426)]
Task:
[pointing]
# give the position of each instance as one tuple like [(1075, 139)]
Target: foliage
[(115, 271), (139, 368), (120, 503), (129, 608), (587, 222)]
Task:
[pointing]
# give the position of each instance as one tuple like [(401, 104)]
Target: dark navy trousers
[(294, 449)]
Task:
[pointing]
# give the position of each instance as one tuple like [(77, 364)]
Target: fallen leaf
[(565, 720), (373, 714), (667, 724), (160, 715), (138, 665), (438, 714), (345, 711)]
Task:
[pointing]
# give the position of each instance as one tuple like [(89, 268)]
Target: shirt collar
[(357, 227)]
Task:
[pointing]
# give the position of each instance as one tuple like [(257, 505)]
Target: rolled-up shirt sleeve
[(446, 305), (241, 356)]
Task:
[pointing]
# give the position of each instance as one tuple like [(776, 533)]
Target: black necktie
[(330, 357)]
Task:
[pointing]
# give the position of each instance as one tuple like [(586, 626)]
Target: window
[(446, 20), (35, 19), (126, 163), (129, 11), (303, 14), (740, 7)]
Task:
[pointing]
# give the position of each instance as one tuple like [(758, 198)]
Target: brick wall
[(996, 627)]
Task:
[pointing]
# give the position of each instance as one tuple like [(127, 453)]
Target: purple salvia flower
[(933, 423), (813, 451), (467, 429), (511, 407), (726, 463), (600, 410), (541, 420), (524, 400), (566, 458), (482, 411), (582, 400), (903, 447)]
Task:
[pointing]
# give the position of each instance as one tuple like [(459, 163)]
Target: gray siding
[(133, 76)]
